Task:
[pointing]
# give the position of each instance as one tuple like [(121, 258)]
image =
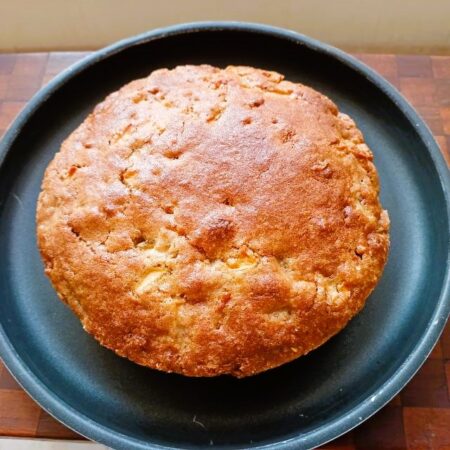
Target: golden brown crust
[(208, 221)]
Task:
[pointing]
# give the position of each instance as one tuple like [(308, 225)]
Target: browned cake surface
[(209, 221)]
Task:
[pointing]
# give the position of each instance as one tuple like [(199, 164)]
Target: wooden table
[(419, 417)]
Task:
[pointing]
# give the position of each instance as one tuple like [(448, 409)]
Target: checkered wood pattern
[(419, 417)]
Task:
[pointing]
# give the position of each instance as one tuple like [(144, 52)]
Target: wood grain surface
[(417, 418)]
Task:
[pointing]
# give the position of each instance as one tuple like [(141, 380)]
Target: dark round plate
[(299, 405)]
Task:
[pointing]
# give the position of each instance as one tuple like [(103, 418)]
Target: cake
[(210, 221)]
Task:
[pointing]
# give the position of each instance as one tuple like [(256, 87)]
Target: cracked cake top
[(213, 221)]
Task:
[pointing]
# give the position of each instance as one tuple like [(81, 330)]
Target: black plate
[(302, 404)]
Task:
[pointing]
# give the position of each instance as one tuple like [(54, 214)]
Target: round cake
[(212, 221)]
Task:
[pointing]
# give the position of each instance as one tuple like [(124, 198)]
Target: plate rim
[(91, 429)]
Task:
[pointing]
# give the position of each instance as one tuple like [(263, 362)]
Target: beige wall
[(359, 25)]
